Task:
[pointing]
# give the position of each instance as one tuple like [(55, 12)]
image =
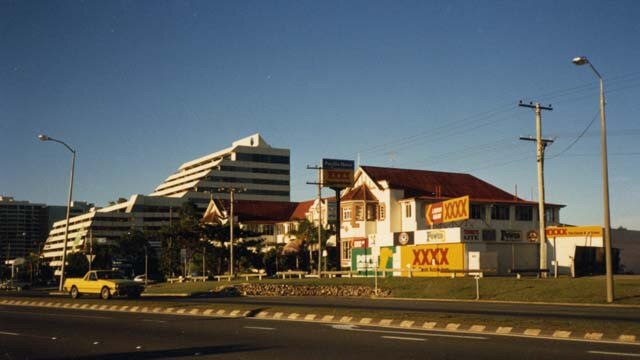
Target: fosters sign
[(446, 211), (432, 259)]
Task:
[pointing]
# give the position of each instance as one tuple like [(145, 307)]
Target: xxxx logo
[(435, 256), (556, 231), (456, 209)]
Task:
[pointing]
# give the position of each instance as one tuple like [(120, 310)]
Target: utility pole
[(319, 183), (232, 192), (540, 147)]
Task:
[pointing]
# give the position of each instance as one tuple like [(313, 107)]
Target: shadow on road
[(171, 353)]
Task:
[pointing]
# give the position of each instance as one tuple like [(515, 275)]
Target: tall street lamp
[(232, 192), (582, 60), (66, 231)]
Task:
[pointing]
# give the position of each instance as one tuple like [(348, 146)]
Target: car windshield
[(109, 275)]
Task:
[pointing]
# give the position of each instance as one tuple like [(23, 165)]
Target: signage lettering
[(574, 231), (437, 256), (471, 235), (447, 211)]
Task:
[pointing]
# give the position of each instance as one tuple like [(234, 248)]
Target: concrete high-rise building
[(22, 227), (251, 164)]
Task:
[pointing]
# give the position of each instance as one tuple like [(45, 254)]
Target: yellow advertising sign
[(432, 259), (447, 211), (574, 231)]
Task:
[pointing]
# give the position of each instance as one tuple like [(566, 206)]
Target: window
[(524, 213), (371, 212), (273, 159), (478, 212), (359, 215), (550, 215), (500, 212), (407, 210), (381, 212), (488, 235), (346, 213), (346, 249)]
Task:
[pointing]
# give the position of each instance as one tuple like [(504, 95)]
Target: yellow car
[(105, 283)]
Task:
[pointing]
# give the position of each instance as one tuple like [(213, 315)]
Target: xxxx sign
[(446, 211), (432, 259)]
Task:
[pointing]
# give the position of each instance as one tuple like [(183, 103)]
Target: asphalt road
[(485, 308), (41, 333)]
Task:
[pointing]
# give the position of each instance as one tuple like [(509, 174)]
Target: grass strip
[(585, 290)]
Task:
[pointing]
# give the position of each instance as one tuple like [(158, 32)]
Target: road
[(486, 308), (40, 333), (550, 311)]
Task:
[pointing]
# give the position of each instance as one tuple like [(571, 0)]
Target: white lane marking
[(402, 338), (354, 328), (613, 353), (61, 315), (154, 321), (9, 333), (259, 328)]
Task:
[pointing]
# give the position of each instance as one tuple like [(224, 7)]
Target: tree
[(77, 265)]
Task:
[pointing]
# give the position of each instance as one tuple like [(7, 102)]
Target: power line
[(595, 116)]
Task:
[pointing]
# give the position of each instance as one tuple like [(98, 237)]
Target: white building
[(250, 163), (383, 217), (275, 220)]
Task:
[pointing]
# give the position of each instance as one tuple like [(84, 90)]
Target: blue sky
[(139, 87)]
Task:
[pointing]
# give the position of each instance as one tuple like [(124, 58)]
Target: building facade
[(262, 171), (383, 219), (23, 227)]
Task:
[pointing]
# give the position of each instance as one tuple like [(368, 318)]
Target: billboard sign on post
[(447, 211), (337, 173)]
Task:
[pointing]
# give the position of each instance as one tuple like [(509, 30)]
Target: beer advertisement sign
[(432, 259), (337, 173), (447, 211), (403, 238), (574, 231)]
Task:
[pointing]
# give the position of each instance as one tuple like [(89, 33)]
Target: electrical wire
[(595, 116)]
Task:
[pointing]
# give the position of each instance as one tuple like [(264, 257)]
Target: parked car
[(14, 285), (105, 283), (141, 279)]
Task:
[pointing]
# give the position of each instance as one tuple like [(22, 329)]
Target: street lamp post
[(582, 60), (66, 231), (232, 192)]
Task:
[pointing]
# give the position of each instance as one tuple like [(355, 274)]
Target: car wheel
[(105, 294), (134, 294), (75, 293)]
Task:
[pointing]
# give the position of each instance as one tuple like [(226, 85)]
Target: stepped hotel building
[(262, 171)]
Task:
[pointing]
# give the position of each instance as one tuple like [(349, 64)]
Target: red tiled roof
[(264, 211), (300, 212), (419, 183)]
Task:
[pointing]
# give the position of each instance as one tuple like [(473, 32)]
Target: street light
[(582, 60), (66, 231), (232, 191)]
